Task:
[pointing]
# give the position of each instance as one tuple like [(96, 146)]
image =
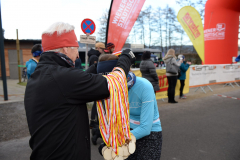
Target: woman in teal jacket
[(145, 122), (184, 67)]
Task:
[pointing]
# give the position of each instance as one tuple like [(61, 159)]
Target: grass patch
[(23, 83)]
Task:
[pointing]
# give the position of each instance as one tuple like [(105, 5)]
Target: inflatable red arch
[(221, 24)]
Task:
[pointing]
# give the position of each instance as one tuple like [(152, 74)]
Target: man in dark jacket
[(56, 96), (148, 70), (93, 56)]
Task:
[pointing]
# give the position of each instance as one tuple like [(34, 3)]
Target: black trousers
[(148, 147), (94, 114), (172, 81), (182, 86)]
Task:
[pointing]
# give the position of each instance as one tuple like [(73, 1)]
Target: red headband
[(55, 41)]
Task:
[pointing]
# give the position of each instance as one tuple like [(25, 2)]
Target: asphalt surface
[(202, 129), (206, 128)]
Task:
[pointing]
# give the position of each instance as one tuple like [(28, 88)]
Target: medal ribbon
[(114, 120)]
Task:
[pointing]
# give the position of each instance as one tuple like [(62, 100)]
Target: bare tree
[(149, 17), (103, 26), (165, 11), (199, 5), (141, 27), (158, 16)]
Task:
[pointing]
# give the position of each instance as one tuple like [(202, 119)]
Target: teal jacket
[(184, 67), (31, 66), (144, 115)]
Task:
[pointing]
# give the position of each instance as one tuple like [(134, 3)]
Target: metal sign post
[(3, 68), (86, 56), (88, 27), (87, 40)]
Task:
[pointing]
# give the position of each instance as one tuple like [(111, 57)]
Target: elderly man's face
[(71, 52)]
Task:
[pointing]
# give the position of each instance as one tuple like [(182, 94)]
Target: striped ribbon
[(117, 53), (114, 120)]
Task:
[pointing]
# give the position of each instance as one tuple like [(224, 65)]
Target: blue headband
[(37, 53), (131, 79)]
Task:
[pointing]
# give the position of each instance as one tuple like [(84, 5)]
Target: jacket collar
[(53, 59), (168, 57)]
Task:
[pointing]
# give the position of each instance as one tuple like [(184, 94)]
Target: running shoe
[(182, 97)]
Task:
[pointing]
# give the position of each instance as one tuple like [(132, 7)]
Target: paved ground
[(15, 91), (202, 127)]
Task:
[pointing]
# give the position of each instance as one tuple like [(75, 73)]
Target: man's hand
[(130, 54)]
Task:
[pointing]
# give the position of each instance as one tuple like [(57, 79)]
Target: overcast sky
[(32, 17)]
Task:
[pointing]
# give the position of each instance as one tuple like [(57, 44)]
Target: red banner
[(123, 15)]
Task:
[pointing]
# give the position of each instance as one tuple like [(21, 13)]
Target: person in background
[(100, 48), (93, 56), (32, 63), (56, 96), (148, 70), (183, 68), (78, 63), (110, 48), (162, 64), (238, 58), (172, 78)]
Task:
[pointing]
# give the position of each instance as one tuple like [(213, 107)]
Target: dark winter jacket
[(149, 72), (55, 104), (238, 59), (93, 59), (183, 68), (93, 52), (78, 63)]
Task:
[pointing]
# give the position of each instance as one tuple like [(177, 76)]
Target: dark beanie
[(36, 47), (146, 55), (105, 67), (110, 46), (37, 50)]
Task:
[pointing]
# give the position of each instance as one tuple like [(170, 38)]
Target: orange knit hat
[(54, 41)]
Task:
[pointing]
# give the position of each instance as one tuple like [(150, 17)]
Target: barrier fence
[(163, 83), (200, 76)]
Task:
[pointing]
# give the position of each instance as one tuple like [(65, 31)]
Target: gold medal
[(107, 154), (103, 149), (120, 152), (131, 147), (118, 158), (133, 138), (125, 151)]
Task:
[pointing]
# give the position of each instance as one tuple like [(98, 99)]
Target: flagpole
[(109, 14), (3, 68)]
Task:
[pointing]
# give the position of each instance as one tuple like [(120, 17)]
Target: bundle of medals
[(114, 119)]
